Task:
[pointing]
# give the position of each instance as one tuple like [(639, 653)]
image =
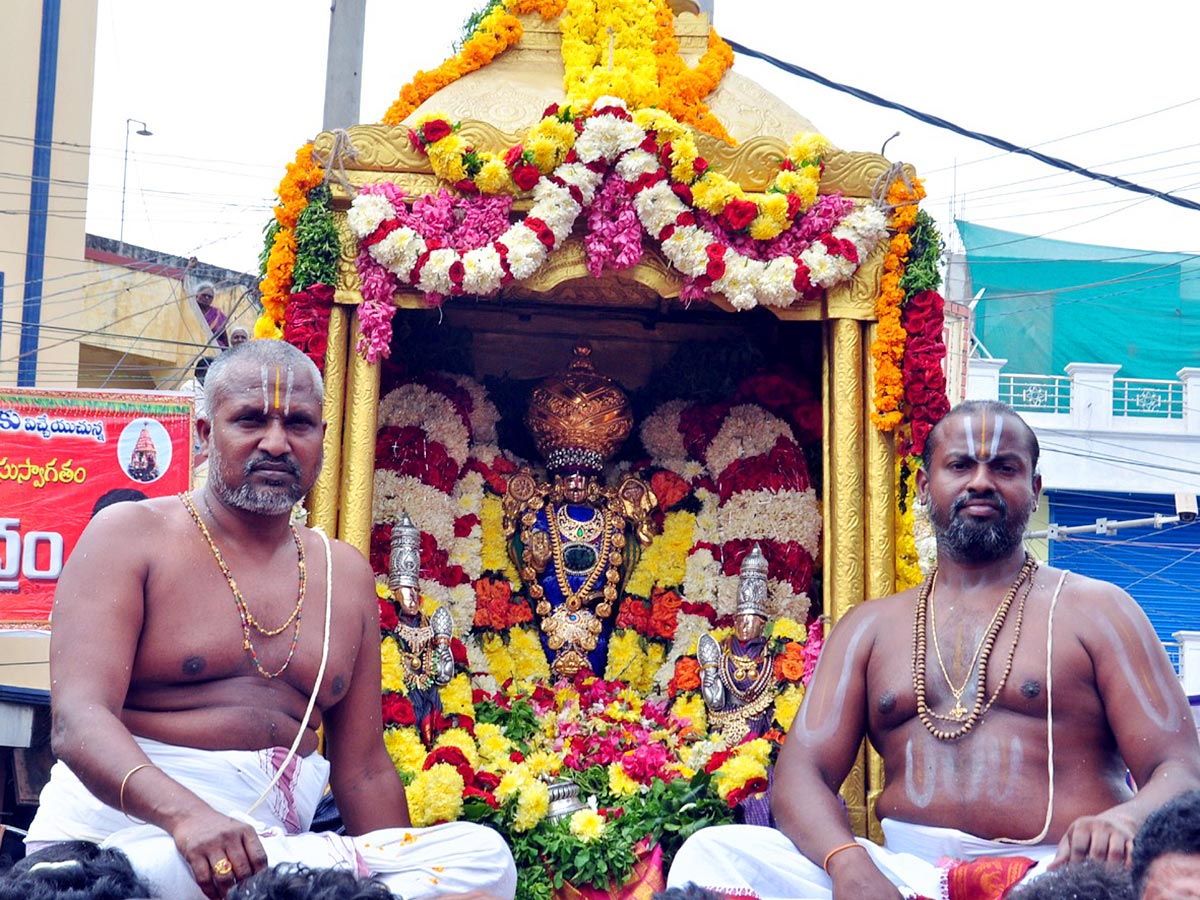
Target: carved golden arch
[(859, 535)]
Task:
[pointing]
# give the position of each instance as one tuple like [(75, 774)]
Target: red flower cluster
[(686, 677), (924, 381), (786, 560), (657, 617), (789, 665), (699, 424), (787, 396), (781, 469), (306, 321), (495, 473), (669, 488), (397, 711), (409, 451), (388, 617)]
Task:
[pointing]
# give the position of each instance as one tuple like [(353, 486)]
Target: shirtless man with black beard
[(1000, 736), (198, 644)]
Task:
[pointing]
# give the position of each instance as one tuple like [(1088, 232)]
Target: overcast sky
[(231, 89)]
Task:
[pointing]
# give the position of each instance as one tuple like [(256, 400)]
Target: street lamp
[(145, 132)]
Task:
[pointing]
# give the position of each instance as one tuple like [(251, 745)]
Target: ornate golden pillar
[(323, 501), (879, 504), (358, 450), (843, 541)]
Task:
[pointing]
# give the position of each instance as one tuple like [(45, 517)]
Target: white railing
[(1036, 393), (1090, 398), (1145, 398)]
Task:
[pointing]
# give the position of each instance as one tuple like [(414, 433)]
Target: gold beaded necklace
[(247, 618), (983, 655), (576, 599)]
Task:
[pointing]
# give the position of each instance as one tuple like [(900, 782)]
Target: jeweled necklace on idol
[(980, 658), (248, 620), (576, 599)]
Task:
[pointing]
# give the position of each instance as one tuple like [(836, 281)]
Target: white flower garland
[(609, 138), (431, 510), (773, 516), (660, 432), (748, 430)]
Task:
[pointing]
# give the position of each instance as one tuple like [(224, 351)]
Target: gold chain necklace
[(920, 654), (575, 599), (247, 618), (959, 712), (742, 666)]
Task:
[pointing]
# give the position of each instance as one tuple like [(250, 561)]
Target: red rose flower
[(435, 129), (738, 214), (542, 230), (398, 711), (525, 176), (683, 192), (514, 155), (699, 166), (716, 261)]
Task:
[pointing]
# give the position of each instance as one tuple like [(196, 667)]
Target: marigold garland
[(301, 176), (887, 350)]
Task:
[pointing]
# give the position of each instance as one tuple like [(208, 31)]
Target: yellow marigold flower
[(758, 749), (494, 177), (735, 772), (544, 151), (383, 592), (435, 796), (691, 706), (532, 806), (494, 550), (587, 825), (494, 748), (513, 782), (712, 192), (785, 629), (765, 227), (456, 696), (393, 672), (665, 560), (457, 737), (406, 750), (654, 119), (500, 663), (266, 327), (807, 146), (623, 656), (807, 192), (528, 657), (787, 704), (620, 783), (542, 763)]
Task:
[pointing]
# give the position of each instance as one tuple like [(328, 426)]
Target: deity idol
[(737, 675), (574, 540), (424, 641)]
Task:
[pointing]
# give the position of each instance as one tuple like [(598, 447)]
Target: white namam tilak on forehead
[(987, 448), (287, 397)]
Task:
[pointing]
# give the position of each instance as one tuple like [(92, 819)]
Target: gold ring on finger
[(222, 867)]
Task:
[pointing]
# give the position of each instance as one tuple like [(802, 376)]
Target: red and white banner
[(64, 455)]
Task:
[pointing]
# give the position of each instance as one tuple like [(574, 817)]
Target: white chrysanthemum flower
[(822, 269), (580, 176), (700, 577), (431, 510), (686, 250), (865, 225), (739, 282), (435, 274), (748, 430), (773, 516), (660, 431), (657, 207), (525, 252), (367, 212), (398, 252), (776, 282), (482, 271), (636, 162), (605, 136), (706, 519)]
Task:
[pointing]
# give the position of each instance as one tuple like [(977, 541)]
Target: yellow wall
[(20, 49)]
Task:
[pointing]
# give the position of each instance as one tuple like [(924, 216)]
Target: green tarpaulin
[(1048, 303)]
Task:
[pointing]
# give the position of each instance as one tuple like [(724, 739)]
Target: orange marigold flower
[(789, 665), (686, 677)]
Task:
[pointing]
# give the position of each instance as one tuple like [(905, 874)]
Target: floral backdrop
[(633, 738)]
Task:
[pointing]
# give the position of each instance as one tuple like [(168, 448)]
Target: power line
[(939, 122)]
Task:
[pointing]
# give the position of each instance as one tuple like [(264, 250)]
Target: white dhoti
[(413, 862), (750, 861)]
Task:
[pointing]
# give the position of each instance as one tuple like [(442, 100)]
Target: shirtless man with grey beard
[(200, 641)]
